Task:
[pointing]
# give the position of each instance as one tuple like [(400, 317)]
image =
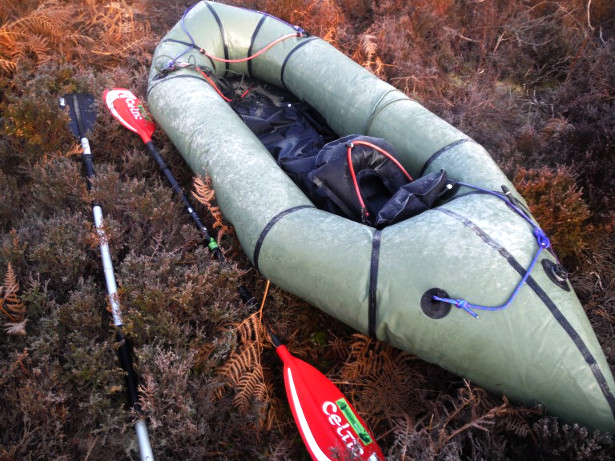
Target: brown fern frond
[(367, 357), (369, 45), (41, 25), (250, 386), (8, 45), (119, 30), (388, 384), (250, 345), (36, 45), (474, 409), (203, 190), (239, 363), (7, 66), (8, 39), (339, 349), (204, 193), (322, 17), (515, 420), (47, 21), (37, 33), (10, 304), (251, 330), (245, 373)]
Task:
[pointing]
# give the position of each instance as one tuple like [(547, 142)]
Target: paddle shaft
[(211, 243), (124, 352)]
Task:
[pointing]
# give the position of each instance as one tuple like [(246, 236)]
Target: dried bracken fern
[(120, 29), (385, 379), (105, 33), (367, 54), (470, 400), (205, 194), (10, 304), (367, 356), (39, 35), (515, 420), (244, 372), (320, 17)]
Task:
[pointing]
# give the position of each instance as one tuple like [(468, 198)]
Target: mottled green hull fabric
[(541, 348)]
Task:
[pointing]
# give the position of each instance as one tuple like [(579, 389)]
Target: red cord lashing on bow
[(258, 53)]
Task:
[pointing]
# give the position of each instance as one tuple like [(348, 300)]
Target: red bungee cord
[(258, 53), (248, 58), (213, 84), (364, 211)]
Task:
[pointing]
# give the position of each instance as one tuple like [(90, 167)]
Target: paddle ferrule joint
[(212, 245), (85, 144)]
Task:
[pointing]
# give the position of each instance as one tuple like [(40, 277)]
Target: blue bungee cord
[(541, 239), (173, 61)]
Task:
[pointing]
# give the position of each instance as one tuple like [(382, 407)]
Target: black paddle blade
[(81, 110)]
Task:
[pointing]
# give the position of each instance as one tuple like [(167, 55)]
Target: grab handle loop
[(542, 241), (353, 176)]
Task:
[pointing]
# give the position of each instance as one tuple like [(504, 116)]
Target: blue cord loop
[(171, 64), (541, 239)]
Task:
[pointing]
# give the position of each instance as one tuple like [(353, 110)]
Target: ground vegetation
[(533, 81)]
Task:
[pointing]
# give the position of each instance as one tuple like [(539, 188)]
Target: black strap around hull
[(373, 285), (283, 68), (269, 226), (252, 40), (441, 151), (221, 27), (548, 302)]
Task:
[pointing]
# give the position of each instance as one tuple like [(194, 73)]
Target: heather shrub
[(558, 440), (532, 81), (9, 201), (57, 184), (586, 107), (55, 248), (557, 204), (30, 124)]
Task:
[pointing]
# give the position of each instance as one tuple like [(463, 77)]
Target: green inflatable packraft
[(405, 284)]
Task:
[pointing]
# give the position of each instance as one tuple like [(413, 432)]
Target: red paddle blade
[(129, 111), (328, 423)]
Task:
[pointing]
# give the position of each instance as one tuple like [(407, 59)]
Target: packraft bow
[(419, 284)]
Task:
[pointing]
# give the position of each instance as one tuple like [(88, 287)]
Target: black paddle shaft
[(125, 356), (211, 243)]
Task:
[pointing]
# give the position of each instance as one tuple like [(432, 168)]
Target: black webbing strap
[(252, 40), (548, 302), (221, 27), (373, 285), (267, 228), (439, 152), (304, 42)]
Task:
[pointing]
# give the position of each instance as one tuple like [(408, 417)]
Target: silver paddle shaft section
[(145, 448), (104, 253)]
